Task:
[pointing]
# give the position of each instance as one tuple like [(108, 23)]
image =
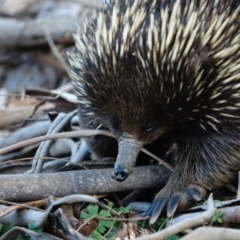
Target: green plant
[(160, 223), (31, 226), (5, 228), (218, 216), (173, 237), (163, 221), (96, 235), (104, 226), (123, 210)]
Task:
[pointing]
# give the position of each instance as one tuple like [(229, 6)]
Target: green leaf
[(218, 213), (217, 201), (163, 223), (110, 204), (124, 209), (5, 228), (93, 210), (95, 235), (107, 224), (110, 235), (104, 213), (101, 228), (34, 227), (104, 225), (84, 215), (141, 224), (23, 237), (173, 237), (38, 230), (218, 216), (117, 224)]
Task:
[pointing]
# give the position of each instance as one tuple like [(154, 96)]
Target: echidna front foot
[(170, 199)]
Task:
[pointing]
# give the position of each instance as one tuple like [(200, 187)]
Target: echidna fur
[(144, 68)]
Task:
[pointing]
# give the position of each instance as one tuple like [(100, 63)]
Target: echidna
[(144, 68)]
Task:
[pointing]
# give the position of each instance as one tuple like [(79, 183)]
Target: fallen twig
[(213, 233)]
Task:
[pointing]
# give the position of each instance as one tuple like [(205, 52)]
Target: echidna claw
[(173, 204), (170, 201), (156, 209), (197, 193)]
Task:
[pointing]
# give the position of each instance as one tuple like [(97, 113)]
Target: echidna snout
[(128, 150), (120, 174)]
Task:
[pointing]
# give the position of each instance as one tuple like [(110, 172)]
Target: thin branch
[(55, 50)]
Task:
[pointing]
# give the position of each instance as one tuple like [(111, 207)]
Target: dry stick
[(31, 158), (186, 224), (157, 158), (67, 199), (14, 232), (43, 148), (99, 181), (16, 206), (85, 165), (57, 125), (87, 3), (229, 214), (122, 219), (54, 49), (213, 233), (30, 33), (24, 205), (131, 197), (72, 134), (238, 191), (28, 96)]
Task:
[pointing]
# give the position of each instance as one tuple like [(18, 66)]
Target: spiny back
[(181, 58)]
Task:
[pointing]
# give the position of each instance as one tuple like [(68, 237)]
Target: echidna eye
[(149, 128), (115, 123)]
